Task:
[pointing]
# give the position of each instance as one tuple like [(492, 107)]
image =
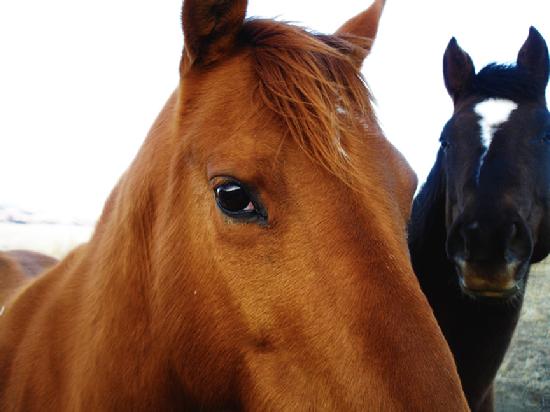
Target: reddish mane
[(312, 83)]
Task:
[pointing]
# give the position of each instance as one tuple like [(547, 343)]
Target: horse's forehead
[(221, 103), (478, 120), (225, 127), (225, 90), (492, 114)]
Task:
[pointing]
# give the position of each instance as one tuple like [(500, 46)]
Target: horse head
[(496, 155), (281, 234), (253, 256)]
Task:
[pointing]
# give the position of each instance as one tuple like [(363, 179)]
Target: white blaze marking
[(493, 113)]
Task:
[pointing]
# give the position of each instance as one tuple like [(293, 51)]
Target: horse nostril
[(488, 242), (457, 242), (513, 231), (468, 235), (518, 243), (472, 227)]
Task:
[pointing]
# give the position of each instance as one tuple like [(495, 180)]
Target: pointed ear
[(210, 29), (458, 70), (533, 56), (363, 27)]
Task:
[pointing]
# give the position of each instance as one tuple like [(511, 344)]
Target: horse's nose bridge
[(485, 239)]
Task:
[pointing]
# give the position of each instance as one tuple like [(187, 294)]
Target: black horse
[(482, 217)]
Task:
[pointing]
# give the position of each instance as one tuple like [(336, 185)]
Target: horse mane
[(507, 82), (312, 83), (427, 205)]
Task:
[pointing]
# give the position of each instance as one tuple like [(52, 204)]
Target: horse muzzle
[(491, 255), (490, 282)]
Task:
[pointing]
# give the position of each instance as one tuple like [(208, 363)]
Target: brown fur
[(174, 306)]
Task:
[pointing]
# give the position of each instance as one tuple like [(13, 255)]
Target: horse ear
[(458, 70), (363, 27), (533, 56), (210, 29)]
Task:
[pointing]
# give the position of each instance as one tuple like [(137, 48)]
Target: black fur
[(507, 82), (514, 184)]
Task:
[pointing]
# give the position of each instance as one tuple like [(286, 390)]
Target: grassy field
[(523, 383)]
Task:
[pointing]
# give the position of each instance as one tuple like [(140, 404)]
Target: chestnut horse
[(254, 254), (482, 218)]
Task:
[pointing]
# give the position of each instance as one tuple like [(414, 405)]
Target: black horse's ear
[(210, 29), (458, 70), (533, 56)]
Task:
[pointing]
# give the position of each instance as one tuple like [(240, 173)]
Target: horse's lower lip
[(494, 294)]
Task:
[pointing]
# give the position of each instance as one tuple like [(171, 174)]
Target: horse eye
[(234, 200), (444, 144)]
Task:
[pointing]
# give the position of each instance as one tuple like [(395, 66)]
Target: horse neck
[(104, 323), (118, 259), (121, 245), (427, 232)]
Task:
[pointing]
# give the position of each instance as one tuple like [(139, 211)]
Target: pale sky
[(81, 82)]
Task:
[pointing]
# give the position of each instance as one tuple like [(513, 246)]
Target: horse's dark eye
[(237, 201), (234, 200), (444, 144)]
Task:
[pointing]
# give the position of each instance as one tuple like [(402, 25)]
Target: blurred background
[(81, 83)]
